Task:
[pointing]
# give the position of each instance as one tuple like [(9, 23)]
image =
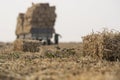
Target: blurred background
[(75, 18)]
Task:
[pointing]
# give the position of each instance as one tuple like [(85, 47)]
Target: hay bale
[(102, 45), (38, 16), (20, 22), (26, 45)]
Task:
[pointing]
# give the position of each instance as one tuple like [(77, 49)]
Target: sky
[(75, 18)]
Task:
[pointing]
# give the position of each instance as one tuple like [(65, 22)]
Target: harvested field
[(68, 64)]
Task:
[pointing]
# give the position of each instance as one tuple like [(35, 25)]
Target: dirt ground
[(56, 62)]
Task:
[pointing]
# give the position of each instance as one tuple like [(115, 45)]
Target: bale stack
[(26, 45), (39, 16), (102, 45), (20, 22)]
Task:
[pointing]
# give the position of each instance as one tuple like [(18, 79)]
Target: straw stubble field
[(63, 62)]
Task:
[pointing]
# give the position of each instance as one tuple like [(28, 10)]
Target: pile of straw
[(102, 45), (38, 16), (26, 45)]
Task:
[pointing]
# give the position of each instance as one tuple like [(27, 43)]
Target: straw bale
[(20, 22), (39, 15), (102, 45), (26, 45)]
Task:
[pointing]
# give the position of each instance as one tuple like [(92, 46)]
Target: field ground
[(63, 62)]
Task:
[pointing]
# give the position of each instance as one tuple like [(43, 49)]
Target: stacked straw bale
[(26, 45), (20, 22), (102, 45), (38, 16)]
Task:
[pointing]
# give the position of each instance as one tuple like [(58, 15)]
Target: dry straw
[(26, 45), (102, 45), (38, 16)]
